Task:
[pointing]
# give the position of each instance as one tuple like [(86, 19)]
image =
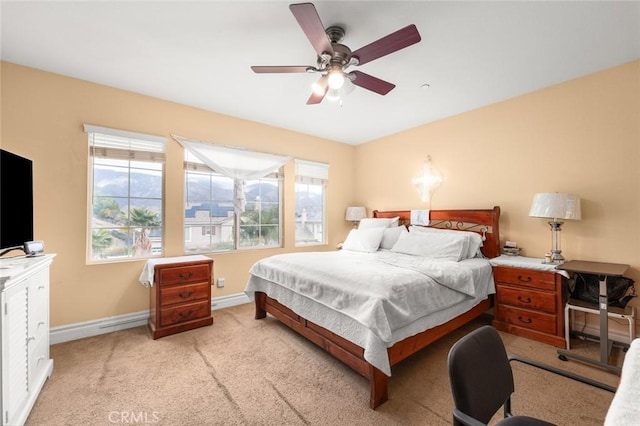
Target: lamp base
[(554, 258)]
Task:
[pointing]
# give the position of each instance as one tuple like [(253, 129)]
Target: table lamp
[(555, 205), (355, 214)]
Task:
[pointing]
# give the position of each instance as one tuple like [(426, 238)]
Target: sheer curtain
[(236, 163)]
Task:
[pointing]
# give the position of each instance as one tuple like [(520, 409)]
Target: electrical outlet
[(220, 282)]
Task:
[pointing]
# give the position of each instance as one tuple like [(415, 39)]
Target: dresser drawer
[(184, 293), (529, 299), (184, 274), (526, 277), (184, 313), (538, 321), (38, 359)]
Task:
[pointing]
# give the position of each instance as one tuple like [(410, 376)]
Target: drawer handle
[(524, 280), (525, 320), (185, 315), (186, 296), (524, 300), (186, 276)]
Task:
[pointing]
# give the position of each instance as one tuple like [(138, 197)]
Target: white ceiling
[(199, 53)]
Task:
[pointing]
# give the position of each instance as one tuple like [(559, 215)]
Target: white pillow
[(379, 222), (391, 235), (366, 240), (435, 246), (474, 242)]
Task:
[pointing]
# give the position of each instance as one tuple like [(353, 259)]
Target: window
[(311, 184), (260, 222), (216, 220), (126, 173)]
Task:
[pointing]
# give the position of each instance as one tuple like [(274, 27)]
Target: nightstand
[(180, 296), (530, 297)]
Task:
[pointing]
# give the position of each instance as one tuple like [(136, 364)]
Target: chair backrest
[(480, 375)]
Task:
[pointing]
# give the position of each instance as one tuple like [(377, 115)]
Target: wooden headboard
[(484, 222)]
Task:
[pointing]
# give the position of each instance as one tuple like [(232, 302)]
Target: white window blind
[(311, 172), (121, 144)]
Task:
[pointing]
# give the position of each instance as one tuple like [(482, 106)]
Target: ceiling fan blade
[(309, 20), (372, 83), (279, 69), (315, 98), (391, 43)]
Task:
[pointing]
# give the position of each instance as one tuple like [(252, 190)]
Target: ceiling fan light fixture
[(333, 95), (348, 86), (336, 79)]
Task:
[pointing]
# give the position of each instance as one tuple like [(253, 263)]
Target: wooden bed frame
[(484, 222)]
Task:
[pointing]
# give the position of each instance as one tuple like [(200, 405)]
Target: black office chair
[(482, 380)]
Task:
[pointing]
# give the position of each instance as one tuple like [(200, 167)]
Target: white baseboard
[(229, 301), (66, 333)]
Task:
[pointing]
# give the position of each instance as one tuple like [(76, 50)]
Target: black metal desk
[(603, 270)]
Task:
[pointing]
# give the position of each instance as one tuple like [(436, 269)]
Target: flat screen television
[(16, 200)]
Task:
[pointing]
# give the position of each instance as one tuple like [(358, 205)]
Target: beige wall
[(581, 136), (42, 118)]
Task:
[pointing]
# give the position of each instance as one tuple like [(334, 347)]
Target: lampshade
[(354, 214), (556, 205)]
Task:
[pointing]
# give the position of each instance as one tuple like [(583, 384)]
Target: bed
[(371, 333)]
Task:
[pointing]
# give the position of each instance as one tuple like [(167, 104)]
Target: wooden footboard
[(352, 354)]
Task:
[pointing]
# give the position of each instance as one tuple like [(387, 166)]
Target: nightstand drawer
[(526, 277), (182, 313), (529, 299), (184, 293), (184, 274), (528, 319)]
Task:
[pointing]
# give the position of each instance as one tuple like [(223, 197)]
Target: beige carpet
[(242, 371)]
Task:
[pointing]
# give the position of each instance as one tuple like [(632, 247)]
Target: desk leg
[(604, 320)]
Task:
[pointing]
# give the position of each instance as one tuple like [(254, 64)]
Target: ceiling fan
[(334, 58)]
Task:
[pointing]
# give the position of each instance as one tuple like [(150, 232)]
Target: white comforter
[(372, 299), (624, 409)]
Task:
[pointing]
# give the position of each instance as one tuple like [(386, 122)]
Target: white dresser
[(24, 321)]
